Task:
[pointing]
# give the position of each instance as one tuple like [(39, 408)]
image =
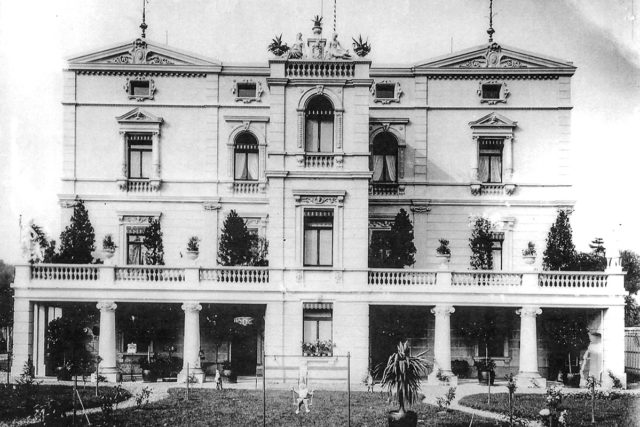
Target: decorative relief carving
[(443, 310), (67, 203), (191, 307), (380, 224), (502, 95), (139, 54), (135, 219), (397, 92), (493, 58), (318, 200), (211, 206), (421, 208), (337, 276), (131, 82)]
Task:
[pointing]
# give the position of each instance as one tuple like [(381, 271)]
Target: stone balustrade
[(319, 69), (139, 186), (339, 280), (246, 187), (318, 160)]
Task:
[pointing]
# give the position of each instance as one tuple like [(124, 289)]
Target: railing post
[(106, 275), (192, 274), (443, 279), (530, 282), (22, 275)]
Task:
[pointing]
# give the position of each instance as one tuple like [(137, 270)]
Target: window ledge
[(139, 185), (488, 188), (248, 187), (320, 160)]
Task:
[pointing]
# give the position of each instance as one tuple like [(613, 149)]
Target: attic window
[(140, 89), (385, 91), (493, 92), (246, 90)]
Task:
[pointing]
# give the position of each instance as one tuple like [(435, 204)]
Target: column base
[(530, 380), (196, 373), (451, 380), (608, 383), (111, 375)]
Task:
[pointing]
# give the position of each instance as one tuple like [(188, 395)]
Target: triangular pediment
[(138, 115), (140, 53), (494, 57), (493, 120)]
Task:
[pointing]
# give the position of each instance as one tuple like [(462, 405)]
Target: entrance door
[(244, 354)]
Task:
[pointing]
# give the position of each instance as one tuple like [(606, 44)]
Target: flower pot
[(406, 419), (484, 376), (443, 259), (148, 376), (230, 375), (192, 255), (529, 259), (572, 379), (108, 252)]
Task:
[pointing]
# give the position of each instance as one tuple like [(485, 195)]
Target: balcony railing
[(392, 281), (319, 69), (318, 160)]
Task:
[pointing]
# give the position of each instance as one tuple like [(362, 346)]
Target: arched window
[(246, 157), (384, 159), (319, 125)]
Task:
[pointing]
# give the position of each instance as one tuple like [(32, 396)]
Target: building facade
[(317, 151)]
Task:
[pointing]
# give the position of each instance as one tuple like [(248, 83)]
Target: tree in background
[(630, 262), (259, 252), (402, 250), (236, 243), (41, 248), (153, 243), (597, 246), (560, 253), (77, 241), (481, 245)]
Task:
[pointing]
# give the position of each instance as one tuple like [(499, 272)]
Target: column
[(107, 340), (22, 335), (442, 344), (191, 347), (40, 339), (123, 156), (613, 346), (528, 375)]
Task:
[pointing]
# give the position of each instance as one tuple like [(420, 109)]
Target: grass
[(621, 411), (12, 406), (244, 408)]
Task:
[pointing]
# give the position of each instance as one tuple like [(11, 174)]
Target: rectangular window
[(490, 161), (139, 88), (491, 91), (318, 327), (246, 167), (318, 238), (385, 91), (246, 90), (135, 248), (319, 136), (139, 156)]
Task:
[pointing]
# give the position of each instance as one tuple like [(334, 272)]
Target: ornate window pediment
[(386, 92)]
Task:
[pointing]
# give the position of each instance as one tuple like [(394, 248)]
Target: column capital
[(529, 311), (106, 306), (443, 310), (191, 307)]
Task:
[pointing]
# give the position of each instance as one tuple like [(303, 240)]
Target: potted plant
[(325, 348), (228, 373), (443, 252), (486, 370), (308, 348), (277, 47), (149, 374), (108, 246), (529, 253), (402, 376), (193, 248), (317, 25), (360, 47)]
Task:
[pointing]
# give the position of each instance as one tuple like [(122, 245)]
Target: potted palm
[(529, 253), (402, 377), (486, 370), (277, 46), (193, 248), (443, 253), (361, 47)]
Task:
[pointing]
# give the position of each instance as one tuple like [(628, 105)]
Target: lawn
[(621, 411), (15, 406), (244, 408)]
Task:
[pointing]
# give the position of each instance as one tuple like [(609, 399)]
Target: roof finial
[(334, 15), (143, 26), (490, 31)]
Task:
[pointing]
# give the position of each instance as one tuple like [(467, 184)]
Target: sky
[(601, 37)]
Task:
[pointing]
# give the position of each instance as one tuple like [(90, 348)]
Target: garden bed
[(244, 408), (13, 406), (619, 410)]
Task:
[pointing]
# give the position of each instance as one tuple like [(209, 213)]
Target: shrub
[(77, 241), (142, 397), (193, 245), (460, 368), (445, 401)]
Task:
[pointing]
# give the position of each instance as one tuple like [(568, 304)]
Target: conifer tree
[(153, 244), (560, 253), (77, 241), (402, 249), (481, 245), (236, 243)]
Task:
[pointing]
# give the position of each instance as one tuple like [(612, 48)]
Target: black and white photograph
[(319, 213)]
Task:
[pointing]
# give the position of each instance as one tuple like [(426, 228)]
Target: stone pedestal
[(528, 376), (191, 352), (442, 345), (107, 340)]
